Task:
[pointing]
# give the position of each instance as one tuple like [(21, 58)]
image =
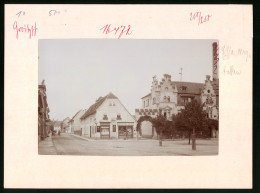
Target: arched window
[(169, 99)]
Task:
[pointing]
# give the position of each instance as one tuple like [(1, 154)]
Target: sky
[(79, 71)]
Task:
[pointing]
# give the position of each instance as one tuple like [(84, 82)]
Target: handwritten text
[(231, 71), (227, 52), (31, 30), (20, 12), (107, 29), (201, 19)]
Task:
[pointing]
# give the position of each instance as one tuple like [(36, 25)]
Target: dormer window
[(118, 117), (105, 117), (184, 88)]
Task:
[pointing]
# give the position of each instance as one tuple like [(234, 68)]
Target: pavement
[(68, 144), (46, 147)]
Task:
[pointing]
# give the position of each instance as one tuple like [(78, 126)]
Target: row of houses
[(108, 117)]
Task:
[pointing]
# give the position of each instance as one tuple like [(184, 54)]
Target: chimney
[(167, 77), (215, 60), (207, 78)]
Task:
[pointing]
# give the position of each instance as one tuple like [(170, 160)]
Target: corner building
[(107, 118), (169, 97)]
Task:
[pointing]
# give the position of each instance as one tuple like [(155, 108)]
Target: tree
[(182, 125), (192, 118), (160, 124)]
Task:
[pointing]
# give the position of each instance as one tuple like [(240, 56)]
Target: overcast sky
[(78, 71)]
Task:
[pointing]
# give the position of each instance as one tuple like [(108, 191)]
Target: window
[(169, 100), (147, 103), (118, 117), (154, 100), (98, 128), (208, 91), (144, 103), (183, 88), (166, 88), (105, 117), (165, 115), (164, 99), (114, 128)]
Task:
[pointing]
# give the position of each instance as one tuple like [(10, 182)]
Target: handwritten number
[(53, 12), (20, 12), (106, 29)]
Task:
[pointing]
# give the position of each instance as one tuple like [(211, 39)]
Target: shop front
[(125, 130)]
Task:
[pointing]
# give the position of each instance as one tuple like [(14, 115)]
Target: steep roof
[(191, 87), (92, 109), (146, 95), (76, 115)]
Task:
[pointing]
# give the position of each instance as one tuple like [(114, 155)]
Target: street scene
[(155, 98)]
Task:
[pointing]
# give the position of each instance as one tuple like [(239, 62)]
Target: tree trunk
[(189, 136), (160, 141), (193, 140)]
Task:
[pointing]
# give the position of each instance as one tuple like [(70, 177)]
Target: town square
[(178, 116)]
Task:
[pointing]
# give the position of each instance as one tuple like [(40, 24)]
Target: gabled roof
[(92, 109), (146, 95), (75, 115), (191, 87)]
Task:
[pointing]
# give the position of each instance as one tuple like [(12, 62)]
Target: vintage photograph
[(128, 97)]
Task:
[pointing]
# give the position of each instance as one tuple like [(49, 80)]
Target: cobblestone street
[(67, 144)]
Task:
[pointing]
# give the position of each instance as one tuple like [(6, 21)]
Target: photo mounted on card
[(128, 97)]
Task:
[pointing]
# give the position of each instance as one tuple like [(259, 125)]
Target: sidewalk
[(79, 136), (46, 147)]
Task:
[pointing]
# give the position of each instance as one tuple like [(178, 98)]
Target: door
[(105, 132)]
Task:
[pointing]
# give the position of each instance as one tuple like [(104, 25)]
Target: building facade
[(108, 118), (169, 97), (57, 126), (65, 125), (43, 113), (75, 122)]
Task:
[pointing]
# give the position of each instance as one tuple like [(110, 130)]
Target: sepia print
[(103, 97)]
